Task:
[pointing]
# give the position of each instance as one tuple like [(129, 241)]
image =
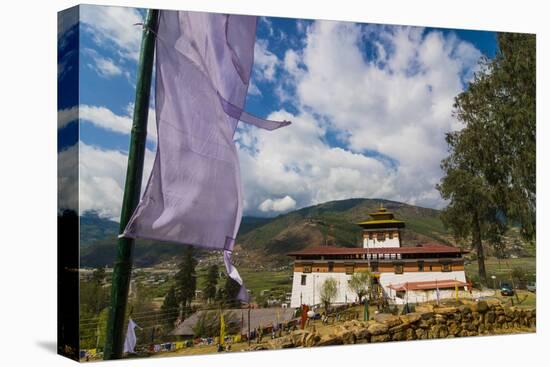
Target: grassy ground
[(502, 269)]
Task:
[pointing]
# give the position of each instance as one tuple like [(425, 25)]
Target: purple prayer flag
[(194, 193)]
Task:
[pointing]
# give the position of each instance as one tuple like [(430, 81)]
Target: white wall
[(374, 243), (386, 279), (316, 280)]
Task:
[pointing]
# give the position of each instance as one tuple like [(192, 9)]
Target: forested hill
[(269, 239)]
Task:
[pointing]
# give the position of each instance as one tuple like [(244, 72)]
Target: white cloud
[(278, 205), (114, 26), (66, 116), (67, 179), (391, 112), (102, 175), (295, 161), (265, 62), (105, 118), (104, 66)]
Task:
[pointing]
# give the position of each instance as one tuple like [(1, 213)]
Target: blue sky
[(370, 106)]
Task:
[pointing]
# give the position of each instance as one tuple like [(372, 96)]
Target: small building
[(404, 274)]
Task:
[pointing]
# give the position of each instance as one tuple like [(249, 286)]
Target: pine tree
[(170, 306), (211, 283), (186, 280), (230, 292)]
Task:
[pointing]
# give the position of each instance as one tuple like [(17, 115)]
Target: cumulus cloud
[(67, 179), (296, 162), (389, 110), (102, 175), (104, 118), (278, 205), (114, 26), (66, 116), (265, 62), (104, 66)]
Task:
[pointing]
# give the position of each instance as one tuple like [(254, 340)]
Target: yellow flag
[(222, 329)]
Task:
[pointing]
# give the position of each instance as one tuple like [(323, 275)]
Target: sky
[(370, 106)]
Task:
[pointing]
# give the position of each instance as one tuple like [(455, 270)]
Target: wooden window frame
[(398, 268), (420, 266), (374, 267), (307, 268)]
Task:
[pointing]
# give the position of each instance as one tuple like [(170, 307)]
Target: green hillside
[(268, 240)]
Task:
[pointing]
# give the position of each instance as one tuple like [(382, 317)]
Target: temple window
[(307, 268), (303, 280), (330, 267), (446, 267), (421, 266), (398, 268), (374, 267), (349, 269)]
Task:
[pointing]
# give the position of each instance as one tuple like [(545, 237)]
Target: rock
[(259, 347), (440, 319), (361, 333), (377, 328), (445, 310), (410, 334), (311, 339), (490, 317), (387, 319), (399, 336), (424, 308), (380, 338), (411, 318), (480, 306), (421, 334), (464, 309), (281, 343), (298, 337), (330, 339), (399, 328)]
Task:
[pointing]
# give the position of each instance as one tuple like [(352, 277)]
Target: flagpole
[(123, 266)]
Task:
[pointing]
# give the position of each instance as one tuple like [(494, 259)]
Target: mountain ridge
[(268, 240)]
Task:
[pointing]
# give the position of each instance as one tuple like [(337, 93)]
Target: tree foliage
[(490, 173), (230, 292), (359, 283), (186, 279), (170, 306), (211, 283), (329, 290)]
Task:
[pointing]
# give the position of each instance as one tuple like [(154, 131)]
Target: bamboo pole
[(123, 266)]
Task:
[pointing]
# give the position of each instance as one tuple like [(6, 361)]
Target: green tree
[(490, 174), (230, 292), (98, 275), (211, 283), (500, 106), (170, 306), (329, 290), (186, 279), (359, 283)]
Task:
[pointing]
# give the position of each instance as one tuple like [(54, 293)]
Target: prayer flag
[(194, 193)]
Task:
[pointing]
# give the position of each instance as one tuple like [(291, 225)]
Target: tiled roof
[(430, 248), (431, 284)]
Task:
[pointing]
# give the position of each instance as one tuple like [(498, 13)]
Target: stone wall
[(478, 318)]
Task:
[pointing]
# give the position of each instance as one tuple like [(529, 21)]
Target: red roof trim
[(431, 284)]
